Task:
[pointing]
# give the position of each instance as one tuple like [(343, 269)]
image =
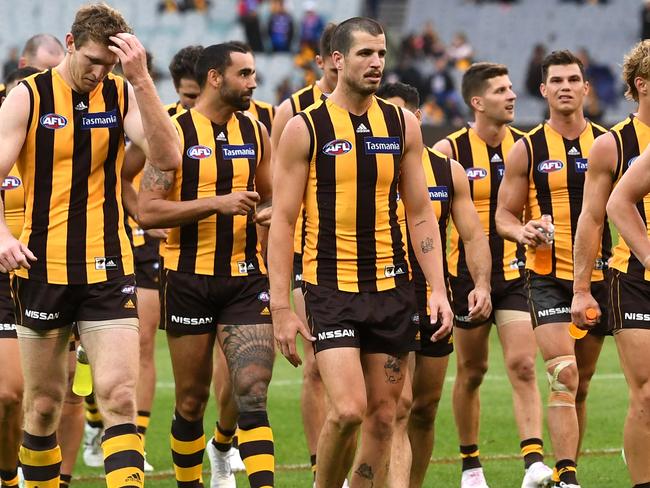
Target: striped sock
[(312, 460), (40, 458), (642, 485), (8, 478), (223, 438), (256, 448), (566, 470), (93, 417), (142, 421), (123, 456), (188, 444), (469, 454), (532, 451), (65, 480)]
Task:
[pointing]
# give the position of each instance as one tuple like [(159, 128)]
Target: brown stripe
[(187, 460), (189, 233), (224, 225), (248, 129), (124, 459)]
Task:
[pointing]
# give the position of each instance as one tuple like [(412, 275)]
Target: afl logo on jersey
[(53, 121), (11, 183), (629, 163), (476, 173), (550, 166), (337, 147), (199, 152)]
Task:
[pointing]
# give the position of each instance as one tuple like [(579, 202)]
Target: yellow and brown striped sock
[(123, 456), (93, 417), (188, 444), (312, 461), (566, 470), (40, 458), (8, 479), (142, 421), (65, 480), (532, 450), (470, 457), (223, 438), (256, 448)]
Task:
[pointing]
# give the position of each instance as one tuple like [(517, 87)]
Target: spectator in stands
[(534, 73), (11, 64), (432, 45), (407, 73), (280, 27), (600, 78), (645, 20), (247, 10), (441, 88), (311, 26), (460, 51), (183, 5)]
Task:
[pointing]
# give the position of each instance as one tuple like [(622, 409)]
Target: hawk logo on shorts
[(337, 147), (11, 183), (600, 264), (550, 166), (244, 267), (517, 264), (264, 296), (106, 263), (396, 270), (53, 121)]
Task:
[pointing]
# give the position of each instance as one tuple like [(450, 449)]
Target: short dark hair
[(560, 58), (183, 64), (475, 79), (342, 35), (97, 22), (38, 40), (325, 43), (20, 74), (217, 57), (406, 92)]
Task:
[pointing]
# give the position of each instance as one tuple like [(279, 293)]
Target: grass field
[(601, 466)]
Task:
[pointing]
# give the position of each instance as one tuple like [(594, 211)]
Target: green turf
[(498, 442)]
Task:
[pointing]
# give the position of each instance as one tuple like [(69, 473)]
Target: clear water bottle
[(544, 252), (82, 385)]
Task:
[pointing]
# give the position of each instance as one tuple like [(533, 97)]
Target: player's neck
[(65, 72), (218, 113), (490, 131), (643, 112), (569, 126), (354, 102), (323, 86)]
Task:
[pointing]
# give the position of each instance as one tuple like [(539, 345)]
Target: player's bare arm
[(134, 159), (282, 116), (589, 231), (621, 207), (14, 116), (477, 247), (289, 176), (511, 200), (423, 226), (146, 122), (263, 183), (444, 146)]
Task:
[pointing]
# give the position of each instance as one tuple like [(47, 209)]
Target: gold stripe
[(256, 434), (259, 462), (531, 449), (187, 447), (189, 474), (470, 455), (119, 443), (40, 458), (53, 483)]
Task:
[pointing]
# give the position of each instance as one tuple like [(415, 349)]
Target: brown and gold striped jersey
[(264, 112), (353, 238), (556, 175), (632, 137), (440, 183), (13, 197), (484, 166), (174, 108), (70, 165), (217, 160)]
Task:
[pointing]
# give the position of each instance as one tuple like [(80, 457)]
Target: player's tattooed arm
[(426, 245), (155, 180)]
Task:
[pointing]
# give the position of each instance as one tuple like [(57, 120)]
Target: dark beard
[(234, 99)]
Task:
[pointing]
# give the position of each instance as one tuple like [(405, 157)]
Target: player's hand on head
[(441, 314), (14, 254), (237, 203), (132, 55), (286, 326), (480, 305)]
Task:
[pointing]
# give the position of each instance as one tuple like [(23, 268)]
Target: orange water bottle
[(544, 252), (578, 332)]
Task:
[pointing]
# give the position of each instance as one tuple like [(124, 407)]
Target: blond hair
[(636, 64), (97, 22)]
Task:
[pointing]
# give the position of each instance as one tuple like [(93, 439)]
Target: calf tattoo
[(365, 471), (393, 370)]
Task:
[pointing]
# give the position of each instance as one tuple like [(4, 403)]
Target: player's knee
[(424, 409), (522, 368), (43, 409), (348, 416), (471, 373), (192, 400), (311, 373), (380, 421), (404, 408), (118, 399), (11, 397), (251, 393), (562, 374), (640, 397)]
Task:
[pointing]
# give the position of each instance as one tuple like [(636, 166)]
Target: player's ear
[(337, 57)]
